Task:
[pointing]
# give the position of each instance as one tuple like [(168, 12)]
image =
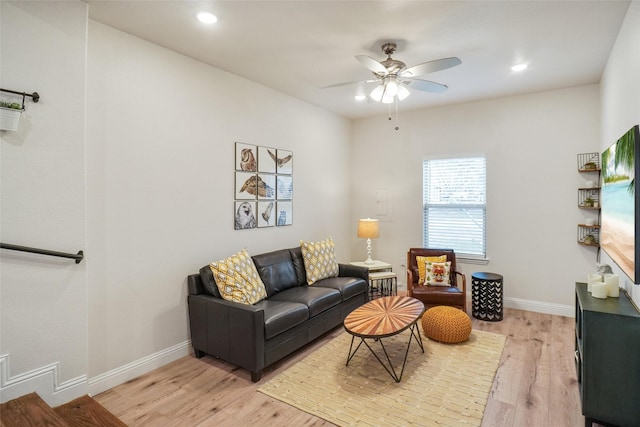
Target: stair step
[(29, 410), (85, 411)]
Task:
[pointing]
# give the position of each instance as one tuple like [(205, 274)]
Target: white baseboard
[(132, 370), (535, 306), (44, 380), (540, 307)]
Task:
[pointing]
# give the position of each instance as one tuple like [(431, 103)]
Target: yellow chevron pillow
[(237, 279), (319, 260), (422, 264)]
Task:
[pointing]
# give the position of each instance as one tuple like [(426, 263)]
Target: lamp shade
[(368, 228)]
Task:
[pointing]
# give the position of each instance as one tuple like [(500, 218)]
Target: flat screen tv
[(620, 203)]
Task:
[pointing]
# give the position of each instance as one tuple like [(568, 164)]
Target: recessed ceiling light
[(519, 67), (360, 97), (207, 17)]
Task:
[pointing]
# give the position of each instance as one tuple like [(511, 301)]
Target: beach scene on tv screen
[(617, 202)]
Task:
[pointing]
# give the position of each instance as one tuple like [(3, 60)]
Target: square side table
[(382, 280)]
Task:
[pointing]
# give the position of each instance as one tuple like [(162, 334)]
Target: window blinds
[(454, 201)]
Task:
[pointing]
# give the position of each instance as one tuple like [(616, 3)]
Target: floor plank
[(535, 384), (29, 410), (85, 411)]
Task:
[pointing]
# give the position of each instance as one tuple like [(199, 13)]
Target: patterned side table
[(486, 296)]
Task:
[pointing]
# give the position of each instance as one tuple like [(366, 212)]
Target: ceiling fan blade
[(424, 85), (372, 64), (431, 67), (349, 83)]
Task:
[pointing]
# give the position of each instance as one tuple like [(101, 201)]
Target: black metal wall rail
[(34, 96), (78, 257)]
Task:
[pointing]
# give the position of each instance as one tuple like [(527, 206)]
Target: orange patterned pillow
[(422, 263), (438, 273)]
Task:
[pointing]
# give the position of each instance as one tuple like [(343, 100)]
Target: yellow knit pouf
[(446, 324)]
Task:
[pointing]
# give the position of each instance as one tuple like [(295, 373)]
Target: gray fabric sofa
[(293, 314)]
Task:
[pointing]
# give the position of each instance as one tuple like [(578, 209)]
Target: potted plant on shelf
[(10, 115), (589, 239), (590, 165), (588, 202)]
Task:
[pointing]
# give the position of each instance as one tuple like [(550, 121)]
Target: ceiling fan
[(395, 78)]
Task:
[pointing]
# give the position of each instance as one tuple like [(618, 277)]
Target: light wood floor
[(535, 384)]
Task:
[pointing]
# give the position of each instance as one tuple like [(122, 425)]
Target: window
[(454, 203)]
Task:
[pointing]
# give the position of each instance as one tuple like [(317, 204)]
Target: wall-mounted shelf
[(10, 112), (589, 199), (34, 96), (589, 235)]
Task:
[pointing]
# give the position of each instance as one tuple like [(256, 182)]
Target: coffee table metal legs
[(415, 333)]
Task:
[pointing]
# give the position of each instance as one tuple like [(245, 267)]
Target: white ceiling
[(296, 47)]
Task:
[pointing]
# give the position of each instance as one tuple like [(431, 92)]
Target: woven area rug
[(447, 385)]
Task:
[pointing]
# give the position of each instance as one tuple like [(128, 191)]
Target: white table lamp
[(368, 229)]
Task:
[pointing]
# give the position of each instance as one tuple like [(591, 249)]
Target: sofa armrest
[(228, 330), (348, 270), (194, 284)]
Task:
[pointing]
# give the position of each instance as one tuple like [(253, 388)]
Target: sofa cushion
[(438, 295), (298, 265), (317, 299), (276, 270), (348, 286), (319, 260), (209, 282), (238, 279), (280, 316)]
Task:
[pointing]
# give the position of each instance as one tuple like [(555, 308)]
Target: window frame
[(471, 258)]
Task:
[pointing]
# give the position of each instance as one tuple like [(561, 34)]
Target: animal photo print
[(263, 175), (245, 215)]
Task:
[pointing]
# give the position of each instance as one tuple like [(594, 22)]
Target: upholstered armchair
[(454, 294)]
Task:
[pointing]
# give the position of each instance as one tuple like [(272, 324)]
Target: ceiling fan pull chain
[(397, 127)]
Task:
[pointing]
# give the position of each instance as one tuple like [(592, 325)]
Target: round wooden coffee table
[(383, 318)]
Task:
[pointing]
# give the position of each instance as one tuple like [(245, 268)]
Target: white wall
[(156, 159), (160, 173), (43, 344), (620, 93), (531, 143)]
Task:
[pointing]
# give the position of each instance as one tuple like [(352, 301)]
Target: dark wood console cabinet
[(608, 358)]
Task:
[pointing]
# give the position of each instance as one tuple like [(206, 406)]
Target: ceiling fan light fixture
[(403, 92), (387, 99), (392, 88), (377, 92)]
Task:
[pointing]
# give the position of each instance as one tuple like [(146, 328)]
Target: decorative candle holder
[(599, 290), (593, 278), (613, 285)]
